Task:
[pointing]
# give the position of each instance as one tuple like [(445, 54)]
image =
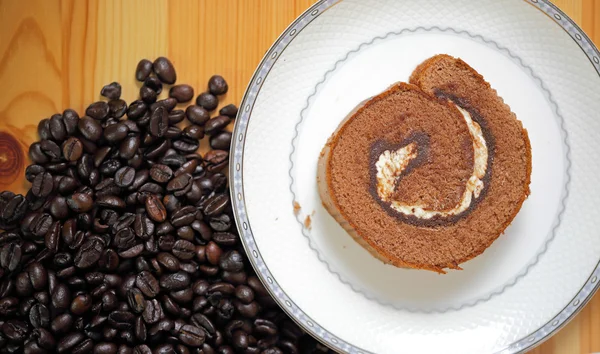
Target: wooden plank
[(58, 53)]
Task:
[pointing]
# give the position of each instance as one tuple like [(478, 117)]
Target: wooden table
[(56, 54)]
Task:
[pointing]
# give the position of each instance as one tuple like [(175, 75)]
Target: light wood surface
[(56, 54)]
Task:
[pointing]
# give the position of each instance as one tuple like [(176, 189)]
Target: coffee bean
[(216, 159), (152, 312), (147, 94), (221, 141), (161, 173), (136, 109), (128, 147), (182, 93), (175, 281), (186, 144), (58, 129), (10, 256), (220, 222), (176, 116), (154, 84), (72, 149), (184, 250), (155, 209), (98, 110), (90, 129), (180, 184), (207, 101), (197, 115), (42, 185), (213, 253), (230, 111), (124, 177), (143, 70), (80, 202), (116, 132), (216, 204), (217, 85), (111, 91), (110, 201), (136, 300), (163, 68), (121, 320), (216, 124), (168, 103), (147, 283), (192, 336), (89, 253)]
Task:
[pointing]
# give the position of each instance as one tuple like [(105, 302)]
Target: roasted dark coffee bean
[(215, 125), (101, 155), (147, 94), (136, 109), (186, 233), (58, 130), (220, 222), (155, 209), (207, 101), (216, 157), (124, 176), (129, 147), (175, 281), (194, 132), (221, 141), (184, 250), (132, 252), (152, 312), (89, 253), (197, 115), (50, 149), (230, 110), (33, 170), (67, 185), (110, 202), (182, 296), (117, 108), (15, 330), (109, 167), (163, 68), (173, 132), (186, 145), (168, 103), (154, 84), (8, 306), (172, 159), (217, 85), (192, 336), (164, 229), (161, 173), (182, 93), (143, 70), (143, 227), (136, 300), (80, 202), (72, 149), (42, 185), (121, 320), (39, 316), (180, 183), (98, 110), (41, 224), (38, 276), (176, 116), (159, 122), (216, 204), (147, 283), (90, 129), (183, 216), (10, 256), (81, 304), (43, 129), (111, 91), (213, 253), (168, 261), (37, 155), (116, 132)]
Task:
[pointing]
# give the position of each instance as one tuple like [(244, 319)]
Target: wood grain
[(56, 54)]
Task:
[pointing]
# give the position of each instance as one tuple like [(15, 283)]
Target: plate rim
[(533, 339)]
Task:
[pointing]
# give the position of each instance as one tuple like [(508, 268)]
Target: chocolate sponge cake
[(429, 173)]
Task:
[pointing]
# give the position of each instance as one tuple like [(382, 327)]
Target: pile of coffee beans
[(126, 242)]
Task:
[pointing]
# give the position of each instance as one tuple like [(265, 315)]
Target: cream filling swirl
[(391, 164)]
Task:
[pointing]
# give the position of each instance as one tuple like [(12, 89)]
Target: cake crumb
[(307, 222), (297, 208)]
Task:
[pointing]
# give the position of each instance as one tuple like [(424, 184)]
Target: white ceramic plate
[(523, 288)]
